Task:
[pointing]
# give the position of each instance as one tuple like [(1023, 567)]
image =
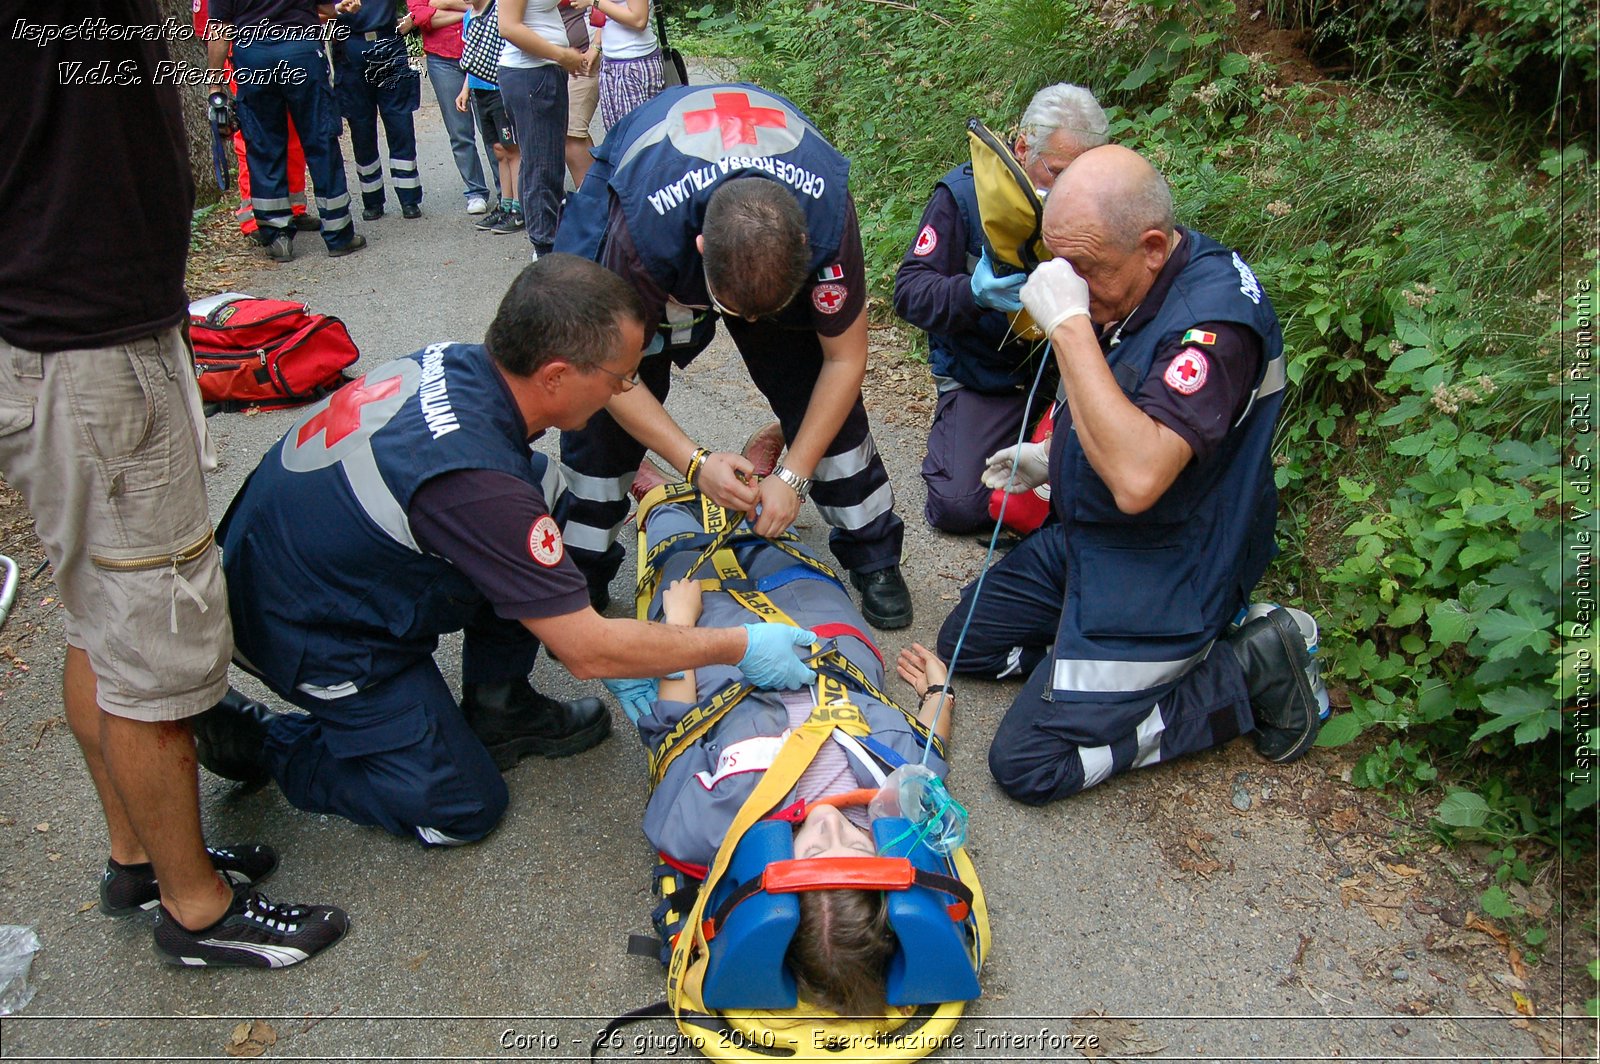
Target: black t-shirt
[(829, 301), (1199, 383), (497, 530), (1200, 379), (274, 12), (95, 190)]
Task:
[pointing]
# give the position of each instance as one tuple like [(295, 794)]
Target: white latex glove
[(1054, 293), (1031, 461)]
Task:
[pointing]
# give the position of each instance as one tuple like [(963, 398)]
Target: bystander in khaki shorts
[(583, 95), (106, 446)]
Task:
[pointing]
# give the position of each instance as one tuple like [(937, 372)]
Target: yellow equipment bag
[(1012, 213)]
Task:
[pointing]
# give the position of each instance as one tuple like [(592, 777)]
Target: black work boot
[(229, 736), (513, 720), (1273, 654), (885, 599)]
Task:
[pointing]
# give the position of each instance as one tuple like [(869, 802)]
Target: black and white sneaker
[(255, 932), (490, 220), (129, 889), (510, 222)]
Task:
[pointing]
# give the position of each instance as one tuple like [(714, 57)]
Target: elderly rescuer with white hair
[(1160, 469), (947, 286)]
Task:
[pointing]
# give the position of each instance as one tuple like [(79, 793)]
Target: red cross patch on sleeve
[(927, 240), (1186, 373), (829, 298), (544, 542)]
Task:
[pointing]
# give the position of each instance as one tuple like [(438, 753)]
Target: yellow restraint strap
[(691, 952), (699, 719)]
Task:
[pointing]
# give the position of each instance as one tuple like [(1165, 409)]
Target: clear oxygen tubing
[(994, 538), (939, 821)]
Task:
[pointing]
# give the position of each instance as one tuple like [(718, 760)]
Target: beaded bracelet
[(698, 459)]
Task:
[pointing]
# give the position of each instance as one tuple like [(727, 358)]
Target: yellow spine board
[(799, 1034)]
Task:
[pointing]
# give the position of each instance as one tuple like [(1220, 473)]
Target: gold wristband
[(698, 459)]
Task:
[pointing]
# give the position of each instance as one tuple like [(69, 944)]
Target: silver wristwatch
[(800, 484)]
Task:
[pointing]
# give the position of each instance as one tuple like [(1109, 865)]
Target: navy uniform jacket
[(375, 16), (1148, 593), (657, 170), (329, 591), (967, 344)]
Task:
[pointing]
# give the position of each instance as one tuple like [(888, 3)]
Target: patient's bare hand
[(681, 603), (920, 667)]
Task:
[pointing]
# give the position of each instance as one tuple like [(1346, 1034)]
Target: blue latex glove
[(996, 293), (638, 697), (770, 661)]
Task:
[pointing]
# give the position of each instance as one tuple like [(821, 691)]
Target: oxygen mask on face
[(914, 792)]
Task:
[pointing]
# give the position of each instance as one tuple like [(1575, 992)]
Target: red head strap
[(838, 873)]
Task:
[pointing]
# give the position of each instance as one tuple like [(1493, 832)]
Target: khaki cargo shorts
[(106, 446), (582, 96)]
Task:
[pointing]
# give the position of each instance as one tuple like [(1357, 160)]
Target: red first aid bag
[(266, 352), (1026, 511)]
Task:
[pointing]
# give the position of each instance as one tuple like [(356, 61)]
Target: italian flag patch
[(1199, 336)]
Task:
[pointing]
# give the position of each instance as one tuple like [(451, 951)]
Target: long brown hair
[(841, 950)]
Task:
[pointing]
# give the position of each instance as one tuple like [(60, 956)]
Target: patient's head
[(842, 947)]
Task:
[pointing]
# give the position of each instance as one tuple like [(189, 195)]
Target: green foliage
[(1458, 567), (1501, 818), (1184, 29), (1537, 56), (1592, 1007), (1421, 278), (202, 215)]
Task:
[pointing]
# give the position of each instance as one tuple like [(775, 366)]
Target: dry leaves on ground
[(1549, 1036), (1112, 1037), (1382, 905), (251, 1039), (1202, 864)]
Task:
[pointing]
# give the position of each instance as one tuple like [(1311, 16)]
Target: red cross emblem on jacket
[(342, 415), (1186, 374), (733, 115), (829, 298)]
